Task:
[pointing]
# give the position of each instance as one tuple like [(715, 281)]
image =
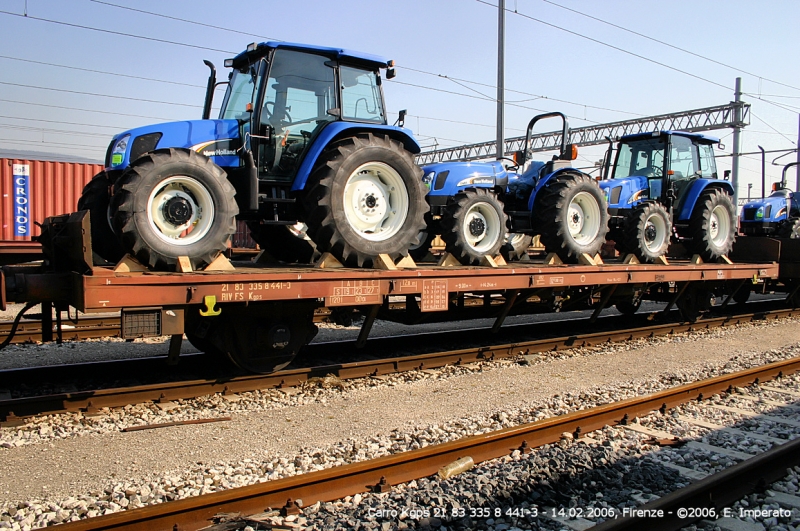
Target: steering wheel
[(649, 171), (268, 115)]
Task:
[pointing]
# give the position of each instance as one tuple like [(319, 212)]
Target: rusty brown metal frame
[(335, 483)]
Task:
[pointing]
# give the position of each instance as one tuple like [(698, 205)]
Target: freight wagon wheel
[(646, 232), (474, 225), (365, 198), (712, 227), (628, 307), (790, 229), (95, 198), (572, 214), (516, 246), (172, 203), (259, 338), (694, 302), (287, 243)]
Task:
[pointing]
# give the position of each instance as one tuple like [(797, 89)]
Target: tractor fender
[(697, 188), (216, 139), (463, 175), (544, 181), (335, 130)]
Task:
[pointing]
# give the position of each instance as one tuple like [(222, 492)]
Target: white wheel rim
[(375, 201), (481, 227), (583, 218), (655, 233), (515, 238), (719, 225), (190, 200)]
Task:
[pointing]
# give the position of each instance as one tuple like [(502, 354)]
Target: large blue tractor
[(479, 207), (776, 215), (302, 137), (664, 187)]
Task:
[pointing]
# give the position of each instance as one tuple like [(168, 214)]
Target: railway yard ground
[(62, 467)]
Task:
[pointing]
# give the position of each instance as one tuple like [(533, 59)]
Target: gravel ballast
[(275, 434)]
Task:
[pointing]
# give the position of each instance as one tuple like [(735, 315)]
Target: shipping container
[(31, 190)]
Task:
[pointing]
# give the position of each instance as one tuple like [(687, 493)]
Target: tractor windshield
[(643, 157), (238, 95)]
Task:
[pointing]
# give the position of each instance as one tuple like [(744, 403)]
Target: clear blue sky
[(455, 38)]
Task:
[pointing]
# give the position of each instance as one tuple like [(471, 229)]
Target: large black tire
[(516, 246), (474, 225), (790, 229), (628, 307), (166, 196), (420, 251), (646, 232), (365, 198), (95, 198), (571, 214), (283, 243), (712, 227)]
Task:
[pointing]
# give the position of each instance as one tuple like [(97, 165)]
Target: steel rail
[(84, 328), (13, 410), (331, 484)]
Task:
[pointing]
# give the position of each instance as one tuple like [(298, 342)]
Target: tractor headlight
[(427, 179), (119, 149), (760, 213)]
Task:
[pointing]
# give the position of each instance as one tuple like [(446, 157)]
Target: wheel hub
[(369, 205), (650, 233), (376, 201), (177, 210), (477, 226)]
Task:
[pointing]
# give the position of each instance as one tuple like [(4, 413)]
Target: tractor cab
[(776, 215)]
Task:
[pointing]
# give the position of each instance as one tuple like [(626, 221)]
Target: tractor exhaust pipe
[(212, 83)]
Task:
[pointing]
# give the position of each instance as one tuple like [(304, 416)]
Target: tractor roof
[(695, 137), (348, 56)]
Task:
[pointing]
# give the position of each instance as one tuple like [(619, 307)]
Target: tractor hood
[(621, 193), (447, 178), (772, 208), (217, 139)]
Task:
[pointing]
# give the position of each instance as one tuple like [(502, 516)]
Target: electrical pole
[(763, 173), (501, 30), (737, 130), (797, 182)]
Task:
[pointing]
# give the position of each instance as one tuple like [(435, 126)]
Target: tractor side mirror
[(519, 158), (726, 175), (391, 73)]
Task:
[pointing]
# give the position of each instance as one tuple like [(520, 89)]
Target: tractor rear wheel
[(790, 229), (712, 227), (646, 232), (571, 214), (365, 198), (474, 225), (287, 243), (516, 246), (172, 203), (95, 198)]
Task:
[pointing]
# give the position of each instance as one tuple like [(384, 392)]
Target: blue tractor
[(664, 187), (480, 208), (776, 215), (302, 137)]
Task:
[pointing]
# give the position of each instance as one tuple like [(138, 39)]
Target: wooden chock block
[(586, 259), (184, 265), (724, 260), (448, 260), (385, 262), (598, 260), (630, 259), (499, 260), (488, 261), (695, 259), (220, 263), (407, 262), (662, 260), (129, 264), (328, 261), (552, 259)]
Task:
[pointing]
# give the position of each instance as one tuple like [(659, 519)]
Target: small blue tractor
[(302, 137), (664, 187), (480, 208), (776, 215)]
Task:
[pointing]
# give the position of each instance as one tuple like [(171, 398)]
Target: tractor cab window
[(643, 157), (708, 166), (682, 158), (300, 90), (240, 92), (361, 96)]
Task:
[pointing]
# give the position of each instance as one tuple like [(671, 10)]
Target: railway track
[(14, 410), (246, 505)]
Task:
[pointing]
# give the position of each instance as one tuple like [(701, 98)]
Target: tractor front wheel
[(712, 227), (365, 198), (572, 214), (172, 203), (790, 229), (474, 225), (646, 232), (516, 246)]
